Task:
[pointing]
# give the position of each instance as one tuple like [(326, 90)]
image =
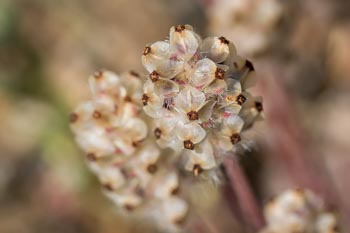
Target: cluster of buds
[(251, 24), (196, 93), (129, 164), (298, 211)]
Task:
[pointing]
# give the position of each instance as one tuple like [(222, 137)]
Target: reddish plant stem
[(245, 198)]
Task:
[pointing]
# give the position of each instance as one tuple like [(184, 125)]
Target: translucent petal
[(148, 154), (203, 155), (183, 100), (204, 73), (232, 125), (95, 140), (166, 185), (82, 116), (233, 85), (112, 176), (206, 111), (232, 110), (104, 103), (164, 87), (183, 43), (125, 144), (248, 80), (104, 81), (215, 48), (135, 129), (224, 143), (132, 84), (174, 209), (161, 60), (189, 99), (124, 199), (156, 111), (215, 88), (191, 131)]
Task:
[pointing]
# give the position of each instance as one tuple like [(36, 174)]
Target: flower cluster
[(298, 211), (196, 93), (128, 163)]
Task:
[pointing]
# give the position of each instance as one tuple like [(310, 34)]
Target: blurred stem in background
[(289, 143), (240, 192)]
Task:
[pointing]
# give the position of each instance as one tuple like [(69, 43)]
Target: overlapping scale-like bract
[(131, 167), (196, 93)]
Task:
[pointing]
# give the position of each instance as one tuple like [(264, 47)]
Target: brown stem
[(245, 198)]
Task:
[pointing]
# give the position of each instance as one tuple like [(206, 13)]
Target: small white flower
[(144, 163), (217, 48), (202, 158), (128, 138), (183, 42), (167, 185), (298, 211), (229, 134), (157, 57), (164, 132), (190, 134), (189, 103), (153, 104), (111, 177), (106, 82)]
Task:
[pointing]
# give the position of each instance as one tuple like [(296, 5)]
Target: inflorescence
[(196, 108), (196, 93)]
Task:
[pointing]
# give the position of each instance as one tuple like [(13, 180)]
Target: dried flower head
[(298, 211), (197, 95), (111, 131)]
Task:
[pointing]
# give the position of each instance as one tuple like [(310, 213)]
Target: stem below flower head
[(248, 206)]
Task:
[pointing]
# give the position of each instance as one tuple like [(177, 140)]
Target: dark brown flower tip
[(197, 169), (134, 73), (146, 50), (219, 73), (152, 168), (98, 74), (91, 156), (180, 220), (259, 106), (127, 99), (192, 115), (175, 191), (241, 99), (188, 144), (249, 65), (108, 187), (154, 76), (129, 207), (136, 143), (145, 99), (73, 117), (235, 138), (96, 114), (180, 28), (224, 40), (157, 133)]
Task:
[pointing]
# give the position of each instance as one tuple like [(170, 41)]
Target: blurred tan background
[(49, 48)]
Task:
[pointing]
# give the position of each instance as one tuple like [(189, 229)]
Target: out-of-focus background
[(301, 51)]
